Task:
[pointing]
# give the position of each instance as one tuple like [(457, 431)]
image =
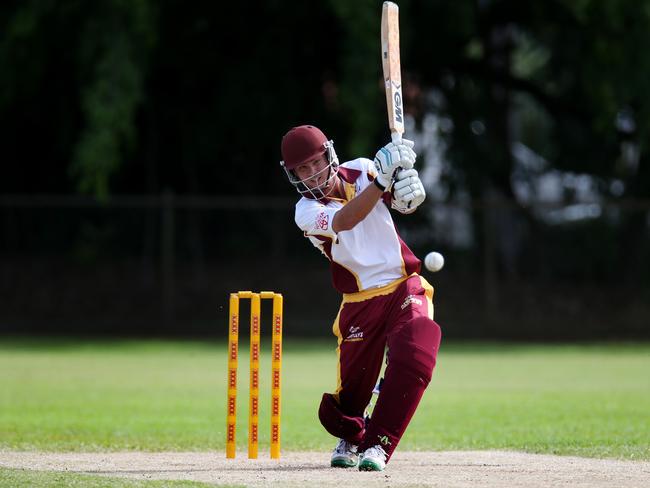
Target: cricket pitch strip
[(452, 469)]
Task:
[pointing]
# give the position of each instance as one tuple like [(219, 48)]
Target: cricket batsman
[(344, 212)]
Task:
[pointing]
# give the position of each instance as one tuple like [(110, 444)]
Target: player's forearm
[(356, 209)]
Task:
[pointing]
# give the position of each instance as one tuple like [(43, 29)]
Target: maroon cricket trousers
[(398, 317)]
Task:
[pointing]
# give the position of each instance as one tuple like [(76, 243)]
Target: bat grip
[(396, 137)]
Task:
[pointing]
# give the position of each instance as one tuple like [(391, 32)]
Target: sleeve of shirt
[(315, 219), (369, 167)]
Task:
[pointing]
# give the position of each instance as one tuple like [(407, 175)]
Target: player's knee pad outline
[(417, 353)]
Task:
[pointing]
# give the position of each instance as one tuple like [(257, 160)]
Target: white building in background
[(535, 185), (545, 190)]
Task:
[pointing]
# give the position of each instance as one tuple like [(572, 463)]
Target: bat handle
[(396, 136)]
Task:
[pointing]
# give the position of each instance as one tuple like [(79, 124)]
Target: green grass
[(18, 478), (60, 395)]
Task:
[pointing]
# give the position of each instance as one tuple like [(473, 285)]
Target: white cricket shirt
[(371, 254)]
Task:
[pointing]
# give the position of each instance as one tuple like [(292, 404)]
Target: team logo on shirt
[(355, 334), (411, 299), (322, 221)]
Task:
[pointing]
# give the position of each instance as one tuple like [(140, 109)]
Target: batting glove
[(392, 157), (408, 191)]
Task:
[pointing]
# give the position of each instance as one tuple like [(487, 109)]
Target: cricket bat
[(390, 59)]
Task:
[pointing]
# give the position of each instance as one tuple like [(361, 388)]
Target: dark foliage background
[(140, 182)]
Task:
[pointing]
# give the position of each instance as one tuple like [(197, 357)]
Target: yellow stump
[(231, 407), (254, 386), (276, 367)]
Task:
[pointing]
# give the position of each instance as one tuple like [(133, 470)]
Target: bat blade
[(390, 57)]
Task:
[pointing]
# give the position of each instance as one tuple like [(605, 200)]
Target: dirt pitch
[(456, 469)]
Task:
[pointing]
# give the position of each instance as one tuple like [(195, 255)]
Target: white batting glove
[(408, 190), (390, 158), (401, 207)]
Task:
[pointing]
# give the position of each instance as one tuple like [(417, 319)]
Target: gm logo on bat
[(397, 99)]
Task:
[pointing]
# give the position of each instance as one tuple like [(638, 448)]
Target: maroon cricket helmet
[(302, 144)]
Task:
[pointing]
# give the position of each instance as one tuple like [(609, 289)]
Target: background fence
[(165, 265)]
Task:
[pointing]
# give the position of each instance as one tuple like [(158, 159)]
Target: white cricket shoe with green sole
[(344, 455), (372, 459)]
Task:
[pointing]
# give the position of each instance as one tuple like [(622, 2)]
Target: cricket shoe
[(372, 459), (344, 455)]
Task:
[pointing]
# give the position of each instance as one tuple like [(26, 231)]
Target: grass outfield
[(61, 395)]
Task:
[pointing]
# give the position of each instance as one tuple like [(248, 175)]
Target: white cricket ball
[(434, 261)]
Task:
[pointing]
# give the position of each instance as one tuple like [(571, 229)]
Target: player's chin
[(313, 186), (321, 186), (328, 187)]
